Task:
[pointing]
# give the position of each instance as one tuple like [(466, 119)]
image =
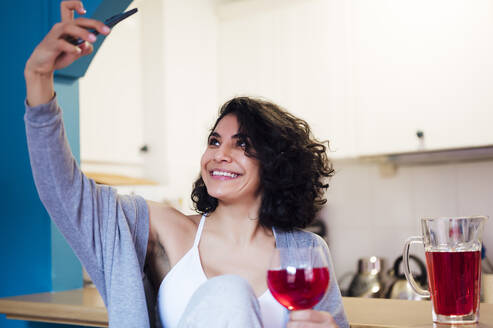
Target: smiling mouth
[(224, 174)]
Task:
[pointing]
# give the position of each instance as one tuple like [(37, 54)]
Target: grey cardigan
[(107, 231)]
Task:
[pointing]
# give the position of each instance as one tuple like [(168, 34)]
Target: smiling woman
[(262, 179)]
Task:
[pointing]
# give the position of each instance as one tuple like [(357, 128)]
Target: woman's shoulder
[(174, 230), (162, 213)]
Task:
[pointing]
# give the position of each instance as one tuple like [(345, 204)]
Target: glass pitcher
[(453, 260)]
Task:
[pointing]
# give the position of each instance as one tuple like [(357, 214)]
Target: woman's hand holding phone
[(55, 52)]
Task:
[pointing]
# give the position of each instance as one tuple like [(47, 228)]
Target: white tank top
[(185, 278)]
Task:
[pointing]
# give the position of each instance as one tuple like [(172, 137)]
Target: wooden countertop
[(118, 180), (385, 313), (84, 307), (79, 307)]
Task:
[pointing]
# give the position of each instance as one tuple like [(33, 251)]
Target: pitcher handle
[(407, 272)]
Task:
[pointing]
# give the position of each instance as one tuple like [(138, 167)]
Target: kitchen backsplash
[(369, 214)]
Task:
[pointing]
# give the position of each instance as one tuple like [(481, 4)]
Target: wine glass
[(298, 277)]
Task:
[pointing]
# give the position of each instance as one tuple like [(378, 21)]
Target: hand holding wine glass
[(298, 278), (312, 319)]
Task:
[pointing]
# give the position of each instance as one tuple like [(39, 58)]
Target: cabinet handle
[(420, 134), (144, 149)]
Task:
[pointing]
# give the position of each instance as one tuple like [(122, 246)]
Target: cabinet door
[(111, 99), (421, 65)]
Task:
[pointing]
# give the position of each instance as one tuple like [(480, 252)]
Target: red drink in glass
[(298, 289), (454, 281), (452, 246)]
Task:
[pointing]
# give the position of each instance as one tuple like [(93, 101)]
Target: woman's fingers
[(310, 319), (309, 315), (76, 32), (86, 48), (69, 53), (93, 24), (80, 28), (68, 48), (67, 9), (55, 52)]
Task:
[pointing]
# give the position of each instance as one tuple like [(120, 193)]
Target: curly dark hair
[(294, 166)]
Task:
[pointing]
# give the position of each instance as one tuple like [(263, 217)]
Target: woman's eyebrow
[(240, 136), (234, 136), (214, 134)]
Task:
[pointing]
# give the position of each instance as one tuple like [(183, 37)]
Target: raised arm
[(106, 230)]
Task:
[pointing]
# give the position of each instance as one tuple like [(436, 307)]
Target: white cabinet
[(421, 65), (111, 100), (121, 99), (367, 75)]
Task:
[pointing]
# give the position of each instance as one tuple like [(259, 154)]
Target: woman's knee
[(223, 301), (231, 286)]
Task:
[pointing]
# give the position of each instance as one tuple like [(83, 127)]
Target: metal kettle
[(368, 281), (400, 288)]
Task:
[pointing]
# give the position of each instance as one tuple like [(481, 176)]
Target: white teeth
[(225, 174)]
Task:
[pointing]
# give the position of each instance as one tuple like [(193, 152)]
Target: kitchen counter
[(79, 307), (385, 313), (84, 307)]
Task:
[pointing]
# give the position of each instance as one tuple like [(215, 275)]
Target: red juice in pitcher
[(454, 281)]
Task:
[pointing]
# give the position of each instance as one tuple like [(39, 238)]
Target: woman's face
[(229, 174)]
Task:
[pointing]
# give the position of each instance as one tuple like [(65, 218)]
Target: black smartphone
[(110, 22)]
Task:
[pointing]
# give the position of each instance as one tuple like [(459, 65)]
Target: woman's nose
[(223, 154)]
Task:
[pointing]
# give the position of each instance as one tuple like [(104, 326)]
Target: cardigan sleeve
[(96, 221), (332, 300)]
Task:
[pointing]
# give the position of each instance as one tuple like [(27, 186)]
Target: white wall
[(368, 214)]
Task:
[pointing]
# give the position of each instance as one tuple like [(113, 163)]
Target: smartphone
[(110, 22)]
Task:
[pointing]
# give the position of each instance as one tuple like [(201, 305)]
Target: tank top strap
[(199, 231)]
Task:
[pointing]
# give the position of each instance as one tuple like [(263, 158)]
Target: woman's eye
[(242, 143), (213, 142)]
